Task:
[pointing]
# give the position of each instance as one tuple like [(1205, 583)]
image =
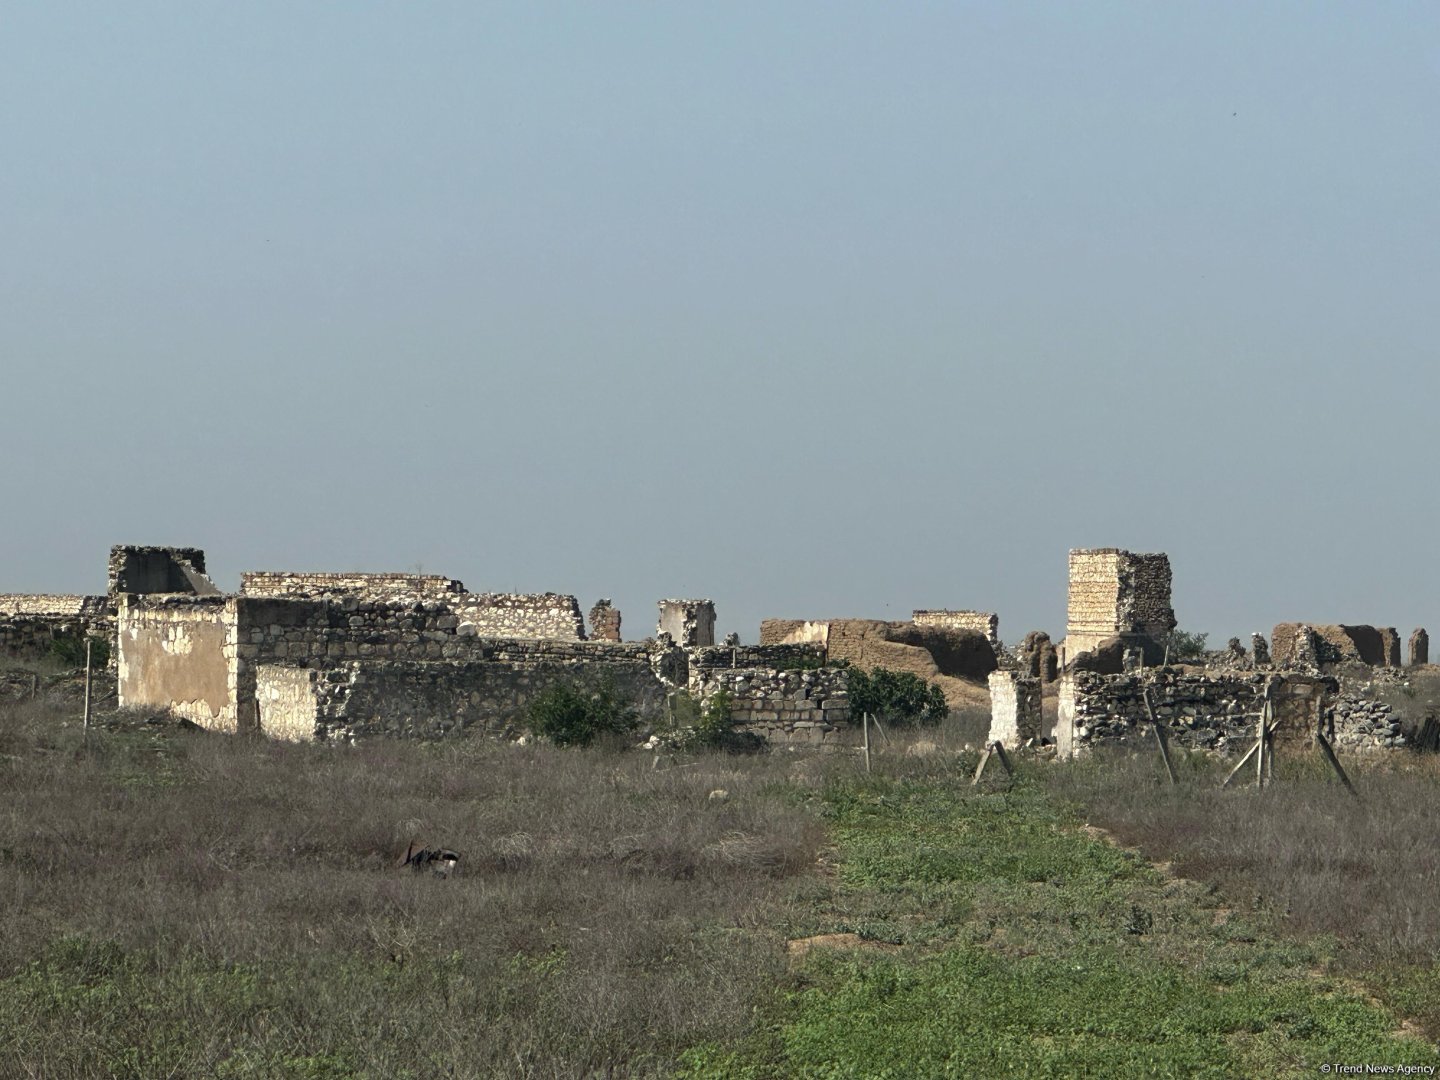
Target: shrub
[(1183, 645), (571, 715), (708, 726), (69, 651), (896, 697)]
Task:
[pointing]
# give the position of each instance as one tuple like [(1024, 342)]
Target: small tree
[(897, 697), (1183, 645), (570, 715)]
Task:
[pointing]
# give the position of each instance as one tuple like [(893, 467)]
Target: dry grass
[(1364, 871), (181, 903)]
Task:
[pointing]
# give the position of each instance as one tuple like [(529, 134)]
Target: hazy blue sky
[(815, 309)]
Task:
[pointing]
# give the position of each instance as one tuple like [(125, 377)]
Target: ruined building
[(1117, 597), (339, 656)]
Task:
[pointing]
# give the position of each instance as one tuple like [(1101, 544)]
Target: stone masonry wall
[(51, 606), (1206, 712), (428, 700), (519, 615), (1015, 712), (714, 657), (1094, 593), (1116, 592), (986, 622), (1145, 595), (394, 588), (787, 706), (287, 700)]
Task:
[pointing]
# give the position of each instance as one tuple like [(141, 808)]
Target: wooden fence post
[(85, 719), (1159, 736)]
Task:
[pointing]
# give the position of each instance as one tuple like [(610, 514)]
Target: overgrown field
[(181, 904)]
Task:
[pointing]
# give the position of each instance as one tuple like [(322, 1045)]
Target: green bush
[(69, 651), (1183, 645), (571, 715), (715, 719), (710, 726), (896, 697)]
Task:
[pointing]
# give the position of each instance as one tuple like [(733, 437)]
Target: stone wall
[(1204, 712), (818, 696), (54, 607), (287, 701), (429, 700), (182, 653), (1419, 647), (984, 622), (688, 622), (393, 588), (1116, 592), (1015, 713), (520, 615), (713, 657), (1301, 645)]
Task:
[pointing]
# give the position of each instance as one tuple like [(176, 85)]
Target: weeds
[(188, 904)]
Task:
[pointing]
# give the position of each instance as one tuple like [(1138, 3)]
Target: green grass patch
[(1020, 945)]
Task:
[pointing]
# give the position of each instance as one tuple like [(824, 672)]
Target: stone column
[(604, 622), (1015, 715)]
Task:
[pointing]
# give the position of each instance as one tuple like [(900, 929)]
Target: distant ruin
[(953, 659), (338, 656), (1306, 645)]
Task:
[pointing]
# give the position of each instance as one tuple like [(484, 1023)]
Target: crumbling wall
[(688, 622), (550, 616), (141, 569), (1037, 658), (604, 622), (1298, 645), (392, 588), (1015, 712), (1117, 592), (180, 653), (1419, 647), (1213, 711), (984, 622)]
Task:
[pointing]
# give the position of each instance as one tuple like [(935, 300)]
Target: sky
[(815, 309)]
